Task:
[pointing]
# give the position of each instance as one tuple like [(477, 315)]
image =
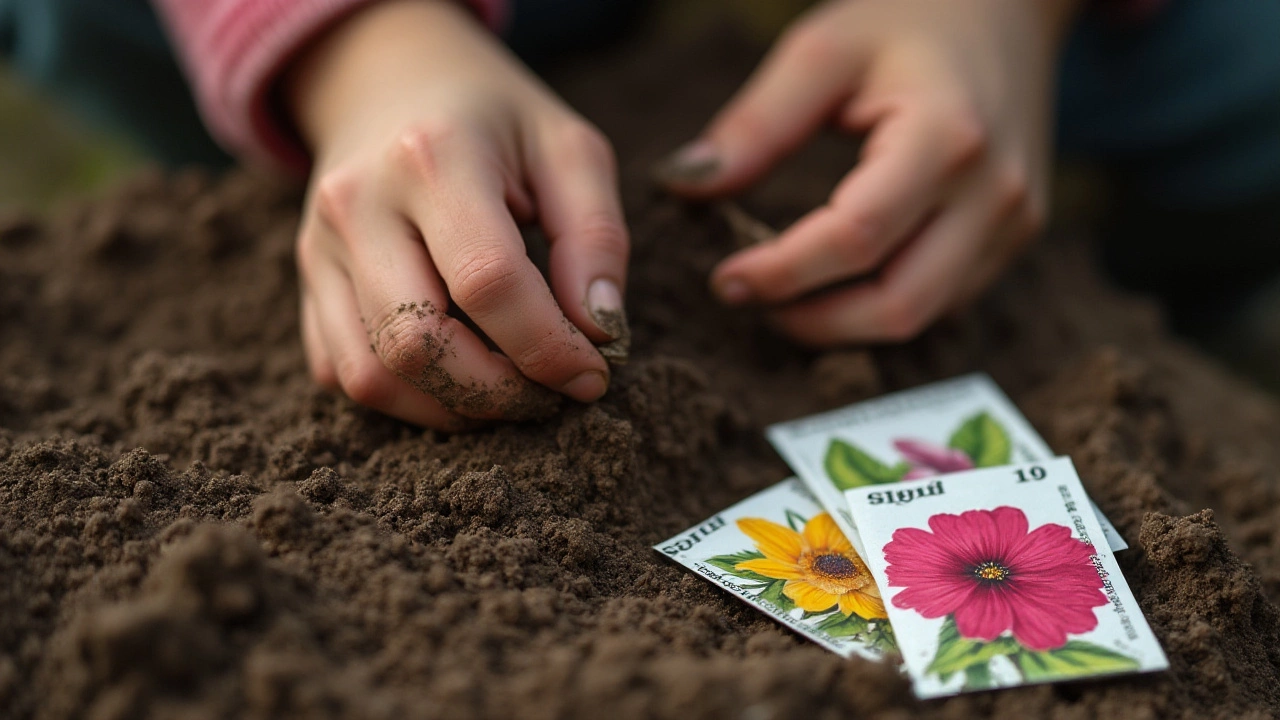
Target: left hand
[(955, 97)]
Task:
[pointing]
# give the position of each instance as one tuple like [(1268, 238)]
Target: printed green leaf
[(1075, 659), (958, 654), (878, 634), (796, 521), (837, 624), (729, 564), (849, 467), (983, 440), (773, 593), (978, 677), (881, 636)]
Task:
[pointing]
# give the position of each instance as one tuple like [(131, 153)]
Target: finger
[(519, 200), (906, 168), (800, 84), (1021, 216), (914, 288), (318, 361), (360, 372), (404, 304), (573, 173), (473, 240)]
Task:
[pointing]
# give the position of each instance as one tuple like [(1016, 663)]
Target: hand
[(430, 143), (955, 99)]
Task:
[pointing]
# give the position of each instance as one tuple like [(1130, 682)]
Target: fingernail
[(692, 164), (604, 302), (586, 387), (733, 291)]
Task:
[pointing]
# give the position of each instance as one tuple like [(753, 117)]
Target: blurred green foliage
[(45, 155)]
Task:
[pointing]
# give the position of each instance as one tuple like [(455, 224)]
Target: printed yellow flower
[(819, 565)]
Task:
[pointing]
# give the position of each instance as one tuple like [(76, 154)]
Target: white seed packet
[(935, 429), (998, 577), (780, 552)]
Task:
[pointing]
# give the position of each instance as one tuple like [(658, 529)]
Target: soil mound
[(189, 529)]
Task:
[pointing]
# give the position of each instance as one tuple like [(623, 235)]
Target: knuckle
[(543, 359), (365, 380), (416, 150), (585, 139), (307, 251), (484, 281), (400, 339), (1012, 190), (335, 198), (852, 248), (965, 135), (605, 234), (1018, 204)]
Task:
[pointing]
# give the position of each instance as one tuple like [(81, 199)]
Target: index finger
[(907, 166), (400, 305), (912, 290), (481, 257)]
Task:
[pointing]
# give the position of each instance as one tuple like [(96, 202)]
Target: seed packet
[(780, 552), (932, 430), (999, 577)]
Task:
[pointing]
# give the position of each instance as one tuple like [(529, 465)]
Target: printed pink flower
[(984, 567), (927, 460)]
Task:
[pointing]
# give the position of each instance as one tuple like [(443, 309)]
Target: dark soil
[(189, 528)]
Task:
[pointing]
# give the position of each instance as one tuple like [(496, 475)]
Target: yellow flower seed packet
[(945, 427), (999, 577), (782, 553)]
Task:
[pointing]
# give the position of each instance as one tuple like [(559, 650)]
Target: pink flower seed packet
[(999, 577)]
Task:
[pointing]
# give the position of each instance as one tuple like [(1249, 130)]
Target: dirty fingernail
[(604, 302), (732, 291), (586, 387), (692, 164)]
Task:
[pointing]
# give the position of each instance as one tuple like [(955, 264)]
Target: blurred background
[(50, 153), (47, 154)]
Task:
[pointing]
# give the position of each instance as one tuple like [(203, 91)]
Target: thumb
[(800, 84)]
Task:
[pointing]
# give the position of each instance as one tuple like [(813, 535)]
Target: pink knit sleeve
[(235, 50)]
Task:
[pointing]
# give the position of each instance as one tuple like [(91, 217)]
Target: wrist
[(363, 63)]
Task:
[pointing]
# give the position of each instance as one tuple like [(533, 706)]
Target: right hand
[(431, 141), (955, 100)]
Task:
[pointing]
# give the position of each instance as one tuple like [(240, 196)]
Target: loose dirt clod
[(747, 231), (189, 528), (614, 322)]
